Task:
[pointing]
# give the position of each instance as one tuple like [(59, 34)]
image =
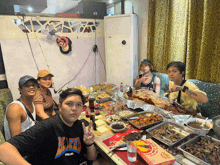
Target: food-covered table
[(172, 121)]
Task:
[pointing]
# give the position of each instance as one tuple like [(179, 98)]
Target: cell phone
[(85, 122)]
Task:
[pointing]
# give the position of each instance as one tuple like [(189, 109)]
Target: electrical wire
[(75, 75), (96, 49), (41, 50), (29, 42), (102, 61)]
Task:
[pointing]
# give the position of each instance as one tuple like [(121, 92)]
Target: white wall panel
[(18, 59)]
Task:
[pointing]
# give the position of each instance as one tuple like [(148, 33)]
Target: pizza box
[(152, 153)]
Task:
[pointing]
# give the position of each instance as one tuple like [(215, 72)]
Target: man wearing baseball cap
[(20, 114), (147, 80), (43, 99)]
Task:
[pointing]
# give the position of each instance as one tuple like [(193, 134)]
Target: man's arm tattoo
[(191, 92)]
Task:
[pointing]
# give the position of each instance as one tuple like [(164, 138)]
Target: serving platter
[(189, 155), (175, 129), (136, 115), (125, 114)]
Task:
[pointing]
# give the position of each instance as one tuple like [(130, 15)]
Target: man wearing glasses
[(20, 114)]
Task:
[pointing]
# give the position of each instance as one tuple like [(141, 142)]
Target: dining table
[(118, 157)]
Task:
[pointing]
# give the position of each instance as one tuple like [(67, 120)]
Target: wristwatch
[(185, 88), (178, 88), (90, 144)]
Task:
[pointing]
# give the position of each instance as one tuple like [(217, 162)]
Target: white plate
[(111, 118)]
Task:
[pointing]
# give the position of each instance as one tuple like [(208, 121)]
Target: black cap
[(24, 79), (145, 61)]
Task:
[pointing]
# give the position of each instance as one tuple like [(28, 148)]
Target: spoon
[(204, 122)]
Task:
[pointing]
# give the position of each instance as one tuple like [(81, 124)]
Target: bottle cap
[(91, 89)]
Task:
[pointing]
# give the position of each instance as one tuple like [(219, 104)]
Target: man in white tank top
[(17, 118)]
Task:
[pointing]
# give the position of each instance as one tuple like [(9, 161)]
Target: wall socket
[(95, 13)]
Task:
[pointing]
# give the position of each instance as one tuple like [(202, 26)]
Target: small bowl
[(200, 121), (111, 118), (118, 123)]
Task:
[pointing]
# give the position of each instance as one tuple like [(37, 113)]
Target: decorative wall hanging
[(65, 44)]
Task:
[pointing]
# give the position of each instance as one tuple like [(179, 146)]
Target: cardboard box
[(152, 153), (68, 15)]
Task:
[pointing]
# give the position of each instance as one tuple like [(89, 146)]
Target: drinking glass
[(131, 152)]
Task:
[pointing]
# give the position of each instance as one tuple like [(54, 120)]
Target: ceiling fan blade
[(50, 27), (49, 37), (45, 32)]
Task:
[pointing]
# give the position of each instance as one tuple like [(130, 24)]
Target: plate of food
[(111, 118), (169, 133), (125, 113), (119, 140), (144, 120), (84, 90), (202, 149)]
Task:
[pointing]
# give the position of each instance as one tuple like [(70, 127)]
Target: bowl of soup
[(195, 125), (216, 125)]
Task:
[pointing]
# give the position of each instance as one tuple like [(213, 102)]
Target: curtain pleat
[(187, 31)]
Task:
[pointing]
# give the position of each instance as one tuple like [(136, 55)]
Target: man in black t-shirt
[(60, 139)]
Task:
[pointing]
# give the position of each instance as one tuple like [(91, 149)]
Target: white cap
[(91, 89)]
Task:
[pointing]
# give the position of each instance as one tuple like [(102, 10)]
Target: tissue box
[(152, 153)]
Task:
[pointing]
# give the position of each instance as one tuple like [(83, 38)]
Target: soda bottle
[(91, 99), (121, 85), (92, 107), (96, 110), (87, 112)]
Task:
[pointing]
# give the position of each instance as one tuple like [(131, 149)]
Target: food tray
[(190, 156), (125, 116), (102, 95), (84, 90), (103, 89), (145, 126), (104, 100), (185, 132), (162, 112)]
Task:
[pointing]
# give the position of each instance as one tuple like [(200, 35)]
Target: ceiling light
[(110, 1), (30, 9)]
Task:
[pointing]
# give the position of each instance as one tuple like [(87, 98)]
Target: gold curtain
[(203, 41), (187, 31)]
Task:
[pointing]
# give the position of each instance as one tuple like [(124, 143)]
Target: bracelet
[(90, 144), (185, 88)]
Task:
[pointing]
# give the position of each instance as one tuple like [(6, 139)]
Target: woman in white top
[(16, 118)]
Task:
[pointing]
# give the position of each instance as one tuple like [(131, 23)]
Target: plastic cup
[(131, 152)]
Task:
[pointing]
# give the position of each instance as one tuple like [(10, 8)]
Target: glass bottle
[(91, 99), (92, 107)]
